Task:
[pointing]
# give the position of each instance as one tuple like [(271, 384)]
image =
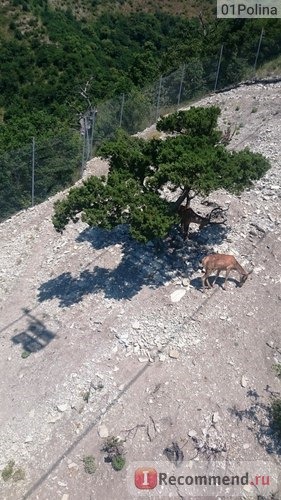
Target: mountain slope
[(94, 307)]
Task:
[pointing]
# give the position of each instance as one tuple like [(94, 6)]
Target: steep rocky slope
[(114, 348)]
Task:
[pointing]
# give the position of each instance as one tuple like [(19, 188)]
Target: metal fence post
[(84, 146), (33, 171), (258, 51), (181, 84), (218, 69), (158, 99), (121, 110), (92, 127)]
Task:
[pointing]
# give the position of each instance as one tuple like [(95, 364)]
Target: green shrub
[(89, 464), (7, 472), (277, 368), (113, 446), (118, 462)]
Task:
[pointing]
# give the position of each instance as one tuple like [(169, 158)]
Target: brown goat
[(221, 262), (188, 216)]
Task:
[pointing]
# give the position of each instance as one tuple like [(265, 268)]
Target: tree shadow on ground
[(213, 234), (259, 419), (35, 337), (150, 264)]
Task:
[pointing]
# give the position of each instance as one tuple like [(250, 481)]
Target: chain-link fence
[(30, 175), (198, 77)]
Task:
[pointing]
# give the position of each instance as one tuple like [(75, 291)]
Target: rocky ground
[(124, 343)]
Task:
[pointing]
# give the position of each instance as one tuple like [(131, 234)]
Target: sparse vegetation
[(118, 462), (25, 354), (19, 475), (9, 472), (277, 369), (86, 395), (270, 68), (114, 448), (89, 464)]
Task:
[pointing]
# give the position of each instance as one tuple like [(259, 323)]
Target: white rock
[(174, 354), (192, 433), (53, 420), (136, 325), (103, 431), (73, 465), (177, 295), (215, 417), (185, 282), (62, 407), (142, 360)]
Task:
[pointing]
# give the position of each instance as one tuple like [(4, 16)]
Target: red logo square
[(145, 478)]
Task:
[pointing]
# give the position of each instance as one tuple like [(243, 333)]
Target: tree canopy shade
[(190, 159)]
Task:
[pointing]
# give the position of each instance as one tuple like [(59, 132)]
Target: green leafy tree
[(190, 160)]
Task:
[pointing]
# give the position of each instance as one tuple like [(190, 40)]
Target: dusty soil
[(115, 352)]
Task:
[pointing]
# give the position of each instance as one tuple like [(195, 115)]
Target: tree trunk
[(185, 195)]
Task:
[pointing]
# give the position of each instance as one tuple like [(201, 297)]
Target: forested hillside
[(48, 53), (51, 49)]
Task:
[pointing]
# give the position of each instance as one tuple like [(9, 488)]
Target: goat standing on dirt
[(221, 262)]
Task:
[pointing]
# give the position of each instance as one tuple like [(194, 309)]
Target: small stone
[(28, 439), (79, 407), (244, 381), (177, 295), (142, 360), (62, 407), (53, 420), (192, 433), (174, 354), (136, 325), (215, 417), (73, 465), (162, 357), (103, 431), (185, 282), (246, 446), (65, 496)]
